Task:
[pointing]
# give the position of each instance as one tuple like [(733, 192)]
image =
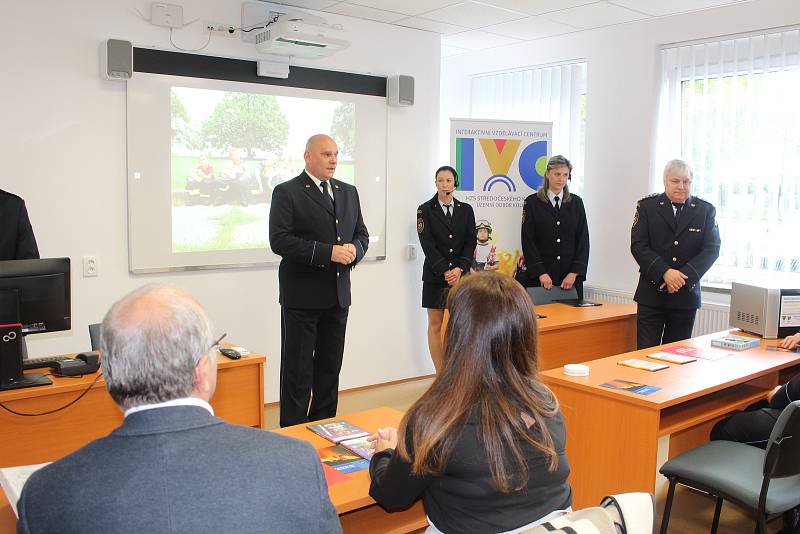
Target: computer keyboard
[(37, 363)]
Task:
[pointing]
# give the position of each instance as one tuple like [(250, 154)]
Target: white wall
[(63, 149), (622, 95)]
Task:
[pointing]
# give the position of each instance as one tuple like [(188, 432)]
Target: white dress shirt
[(185, 401), (319, 184), (444, 210), (552, 196)]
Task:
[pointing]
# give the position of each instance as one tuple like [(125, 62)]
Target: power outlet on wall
[(218, 27), (90, 266)]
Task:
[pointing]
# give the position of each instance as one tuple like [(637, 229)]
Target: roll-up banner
[(499, 164)]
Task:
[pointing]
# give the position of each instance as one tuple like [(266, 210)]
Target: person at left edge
[(17, 241), (555, 234), (316, 226), (446, 229)]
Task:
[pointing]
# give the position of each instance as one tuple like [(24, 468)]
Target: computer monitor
[(34, 298)]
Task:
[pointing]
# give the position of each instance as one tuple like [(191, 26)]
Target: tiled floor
[(691, 511)]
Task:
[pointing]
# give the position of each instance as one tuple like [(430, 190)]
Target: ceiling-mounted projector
[(298, 38)]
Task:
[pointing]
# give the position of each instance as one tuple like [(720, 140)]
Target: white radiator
[(710, 317)]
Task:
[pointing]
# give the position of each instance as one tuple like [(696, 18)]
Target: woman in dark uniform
[(555, 236), (446, 229)]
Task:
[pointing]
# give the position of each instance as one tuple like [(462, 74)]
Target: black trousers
[(312, 346), (752, 426), (656, 326)]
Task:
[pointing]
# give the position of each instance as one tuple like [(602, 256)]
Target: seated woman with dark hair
[(484, 446)]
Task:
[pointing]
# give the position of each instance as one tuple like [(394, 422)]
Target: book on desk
[(349, 436)]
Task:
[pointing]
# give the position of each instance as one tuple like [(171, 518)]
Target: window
[(730, 107), (553, 93)]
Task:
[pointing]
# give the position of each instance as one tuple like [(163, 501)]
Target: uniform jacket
[(659, 243), (446, 245), (17, 241), (179, 469), (555, 242), (303, 230)]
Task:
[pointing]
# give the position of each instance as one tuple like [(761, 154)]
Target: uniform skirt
[(434, 296)]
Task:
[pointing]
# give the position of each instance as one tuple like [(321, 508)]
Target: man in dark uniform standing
[(675, 240), (315, 225), (17, 241)]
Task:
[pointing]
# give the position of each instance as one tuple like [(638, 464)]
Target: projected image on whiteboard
[(229, 151)]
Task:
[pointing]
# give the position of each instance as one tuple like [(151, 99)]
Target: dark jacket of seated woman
[(485, 446)]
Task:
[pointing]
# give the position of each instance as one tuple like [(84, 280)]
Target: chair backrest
[(783, 450), (624, 513), (563, 294), (539, 295), (94, 335)]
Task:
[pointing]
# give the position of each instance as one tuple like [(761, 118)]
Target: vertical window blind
[(554, 93), (731, 108)]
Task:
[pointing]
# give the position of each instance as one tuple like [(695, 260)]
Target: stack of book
[(351, 452)]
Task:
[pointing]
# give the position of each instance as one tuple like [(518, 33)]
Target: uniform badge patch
[(636, 216), (420, 225)]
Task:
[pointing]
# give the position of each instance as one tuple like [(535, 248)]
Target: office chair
[(624, 513), (736, 471), (94, 335)]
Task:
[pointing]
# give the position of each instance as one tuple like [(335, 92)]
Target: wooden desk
[(239, 398), (616, 440), (357, 511), (568, 334), (572, 335)]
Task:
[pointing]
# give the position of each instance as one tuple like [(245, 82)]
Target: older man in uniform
[(675, 240)]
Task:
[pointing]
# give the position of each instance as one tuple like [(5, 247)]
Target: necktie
[(449, 215), (556, 199), (678, 208), (328, 199)]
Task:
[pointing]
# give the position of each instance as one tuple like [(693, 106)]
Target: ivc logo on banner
[(498, 155)]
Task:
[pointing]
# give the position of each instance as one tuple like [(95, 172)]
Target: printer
[(770, 312)]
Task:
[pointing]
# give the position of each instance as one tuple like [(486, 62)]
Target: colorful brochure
[(671, 358), (360, 446), (338, 430), (643, 364), (631, 387), (342, 460), (695, 352)]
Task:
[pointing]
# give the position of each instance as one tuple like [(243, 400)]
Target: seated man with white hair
[(172, 466)]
